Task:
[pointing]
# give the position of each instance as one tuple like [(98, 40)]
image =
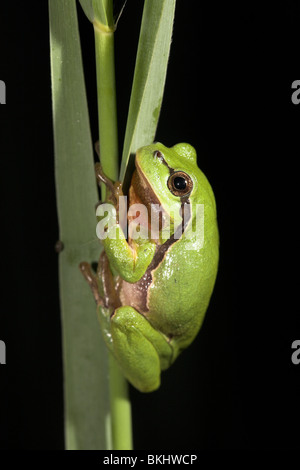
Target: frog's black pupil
[(179, 183)]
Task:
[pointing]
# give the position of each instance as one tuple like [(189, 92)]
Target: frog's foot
[(102, 178), (114, 189), (90, 277)]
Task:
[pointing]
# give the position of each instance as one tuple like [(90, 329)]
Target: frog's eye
[(180, 184)]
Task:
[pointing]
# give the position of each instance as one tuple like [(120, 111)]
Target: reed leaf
[(85, 361), (149, 76)]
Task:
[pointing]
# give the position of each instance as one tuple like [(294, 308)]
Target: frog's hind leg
[(91, 279), (141, 351), (105, 294), (109, 286), (102, 284)]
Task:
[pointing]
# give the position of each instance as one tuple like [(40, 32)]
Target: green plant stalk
[(108, 140), (107, 106), (85, 361), (120, 409)]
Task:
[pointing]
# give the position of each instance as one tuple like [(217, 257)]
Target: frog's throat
[(141, 192), (142, 189)]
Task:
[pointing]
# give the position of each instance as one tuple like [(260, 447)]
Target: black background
[(228, 93)]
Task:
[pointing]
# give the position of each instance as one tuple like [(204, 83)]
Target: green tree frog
[(152, 289)]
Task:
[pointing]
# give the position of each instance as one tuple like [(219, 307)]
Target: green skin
[(153, 305)]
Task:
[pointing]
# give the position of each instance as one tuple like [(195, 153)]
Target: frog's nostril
[(158, 154)]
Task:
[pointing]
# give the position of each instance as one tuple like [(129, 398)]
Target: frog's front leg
[(129, 260), (141, 351)]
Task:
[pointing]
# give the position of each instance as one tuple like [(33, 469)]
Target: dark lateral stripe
[(161, 157), (160, 254)]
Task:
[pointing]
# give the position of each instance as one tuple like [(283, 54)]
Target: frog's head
[(171, 178)]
